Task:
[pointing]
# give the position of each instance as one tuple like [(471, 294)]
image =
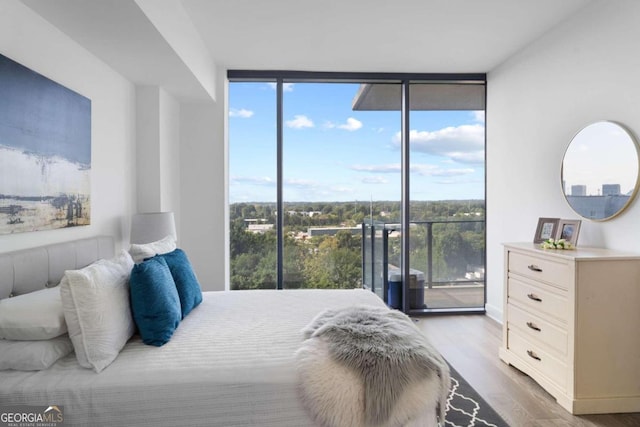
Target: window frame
[(405, 80)]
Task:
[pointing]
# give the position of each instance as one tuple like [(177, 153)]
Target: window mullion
[(279, 184), (405, 197)]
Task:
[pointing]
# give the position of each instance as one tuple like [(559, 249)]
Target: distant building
[(610, 189), (249, 221), (332, 231), (304, 213), (259, 228), (597, 206), (578, 190)]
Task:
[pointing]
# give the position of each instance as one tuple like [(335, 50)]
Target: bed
[(229, 363)]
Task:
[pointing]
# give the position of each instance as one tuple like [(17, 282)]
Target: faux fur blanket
[(369, 366)]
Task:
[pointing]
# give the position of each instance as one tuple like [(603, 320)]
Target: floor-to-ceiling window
[(252, 185), (323, 188)]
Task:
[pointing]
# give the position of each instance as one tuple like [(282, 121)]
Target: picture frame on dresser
[(568, 229), (547, 229)]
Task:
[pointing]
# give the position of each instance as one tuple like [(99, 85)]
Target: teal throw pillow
[(154, 301), (187, 284)]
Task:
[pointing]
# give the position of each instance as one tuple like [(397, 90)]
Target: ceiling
[(421, 36)]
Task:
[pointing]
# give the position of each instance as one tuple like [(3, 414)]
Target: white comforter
[(230, 363)]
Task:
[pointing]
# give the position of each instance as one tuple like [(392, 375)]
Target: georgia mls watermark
[(31, 416)]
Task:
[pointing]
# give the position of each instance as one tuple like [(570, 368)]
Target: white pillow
[(34, 316), (33, 355), (141, 251), (96, 307)]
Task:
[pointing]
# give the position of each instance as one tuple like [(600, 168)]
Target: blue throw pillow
[(154, 301), (186, 282)]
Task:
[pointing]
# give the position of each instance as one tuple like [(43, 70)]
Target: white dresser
[(572, 323)]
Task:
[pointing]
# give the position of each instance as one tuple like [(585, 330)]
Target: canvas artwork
[(45, 152)]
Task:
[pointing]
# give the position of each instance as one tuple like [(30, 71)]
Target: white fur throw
[(369, 366)]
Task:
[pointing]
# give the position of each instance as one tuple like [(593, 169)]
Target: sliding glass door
[(447, 196)]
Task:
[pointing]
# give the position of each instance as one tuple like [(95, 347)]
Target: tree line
[(335, 261)]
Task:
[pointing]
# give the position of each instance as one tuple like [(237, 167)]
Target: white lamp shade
[(151, 227)]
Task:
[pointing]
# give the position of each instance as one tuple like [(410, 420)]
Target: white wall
[(149, 188), (158, 152), (170, 156), (179, 162), (173, 22), (203, 188), (583, 71), (31, 41)]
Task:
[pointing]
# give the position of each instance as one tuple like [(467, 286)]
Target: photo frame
[(547, 229), (568, 229)]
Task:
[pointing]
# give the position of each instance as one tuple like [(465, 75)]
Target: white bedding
[(229, 363)]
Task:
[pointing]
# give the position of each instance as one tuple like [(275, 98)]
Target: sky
[(333, 153), (601, 153)]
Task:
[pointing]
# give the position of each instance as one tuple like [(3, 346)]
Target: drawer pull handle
[(534, 297), (534, 267), (533, 326), (533, 355)]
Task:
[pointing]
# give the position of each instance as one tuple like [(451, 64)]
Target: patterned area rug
[(465, 407)]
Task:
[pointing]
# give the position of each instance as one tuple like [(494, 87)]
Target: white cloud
[(433, 170), (463, 144), (351, 125), (458, 181), (253, 180), (375, 180), (341, 189), (300, 183), (418, 168), (451, 172), (267, 181), (286, 87), (424, 169), (299, 122), (388, 168), (241, 113), (478, 116), (470, 157)]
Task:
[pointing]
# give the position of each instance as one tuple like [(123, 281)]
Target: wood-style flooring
[(470, 344)]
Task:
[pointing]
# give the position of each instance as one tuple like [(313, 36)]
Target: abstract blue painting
[(45, 152)]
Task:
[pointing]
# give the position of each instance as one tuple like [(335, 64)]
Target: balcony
[(447, 260)]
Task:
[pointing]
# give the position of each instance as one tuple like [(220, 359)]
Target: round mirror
[(600, 170)]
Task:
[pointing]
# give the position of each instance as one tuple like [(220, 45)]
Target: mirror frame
[(634, 140)]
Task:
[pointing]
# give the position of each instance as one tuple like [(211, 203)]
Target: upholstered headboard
[(31, 269)]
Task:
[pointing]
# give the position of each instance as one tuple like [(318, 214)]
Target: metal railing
[(440, 263)]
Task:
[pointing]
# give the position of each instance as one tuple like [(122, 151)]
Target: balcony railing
[(447, 260)]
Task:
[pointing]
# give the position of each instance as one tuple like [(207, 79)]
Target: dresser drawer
[(557, 271), (555, 338), (537, 298), (536, 357)]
